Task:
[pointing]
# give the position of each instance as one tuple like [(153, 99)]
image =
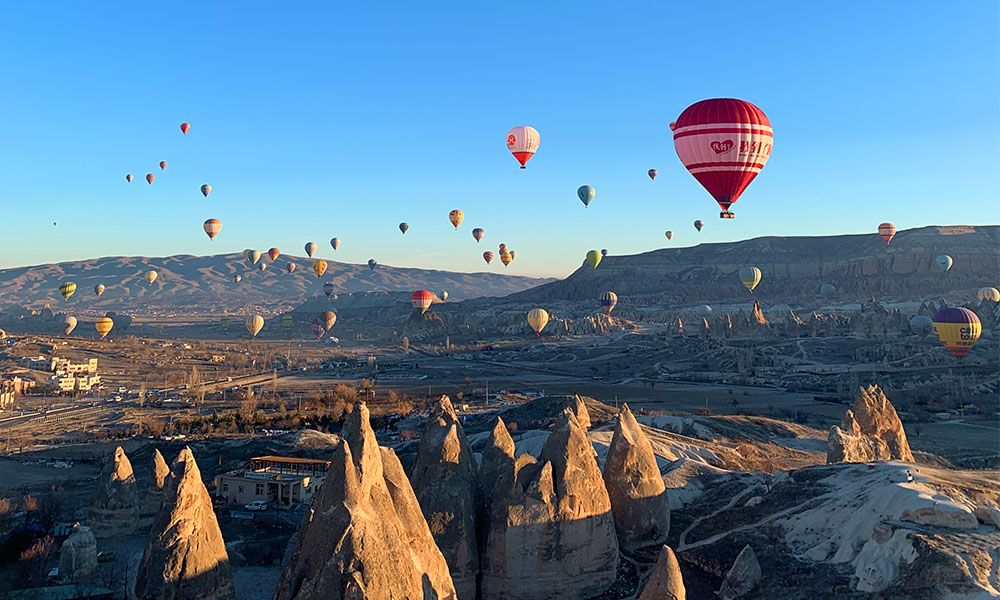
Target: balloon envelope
[(669, 234), (273, 254), (604, 252), (944, 262), (456, 216), (128, 178), (286, 321), (887, 231), (608, 301), (212, 228), (70, 323), (750, 276), (699, 224), (989, 293), (327, 319), (335, 243), (922, 325), (505, 258), (371, 263), (478, 233), (319, 267), (163, 164), (151, 277), (99, 289), (291, 267), (310, 249), (652, 174), (261, 266), (104, 326), (150, 177), (403, 227), (422, 299), (185, 127), (67, 289), (593, 258), (523, 141), (254, 324), (827, 290), (206, 190), (537, 319), (586, 194), (444, 295), (487, 256), (328, 288), (253, 256), (958, 329), (237, 278), (724, 143)]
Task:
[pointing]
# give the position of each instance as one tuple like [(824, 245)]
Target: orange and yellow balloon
[(104, 326), (319, 267), (456, 217)]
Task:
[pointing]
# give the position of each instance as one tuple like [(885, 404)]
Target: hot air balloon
[(317, 328), (224, 321), (703, 310), (944, 262), (513, 255), (237, 278), (652, 174), (478, 233), (99, 289), (310, 249), (669, 234), (185, 127), (673, 125), (253, 256), (608, 301), (206, 190), (522, 141), (750, 276), (150, 177), (403, 227), (273, 254), (989, 293), (503, 247), (887, 230), (604, 252), (827, 290), (286, 321), (724, 143), (128, 178), (586, 194), (538, 318), (329, 288), (593, 258), (319, 267), (922, 325), (335, 243), (505, 258), (151, 277), (487, 256), (422, 299), (246, 253), (699, 224), (70, 323), (254, 324), (456, 217), (371, 263), (444, 295), (327, 319), (290, 268), (104, 326), (163, 165), (67, 289), (212, 228), (958, 329), (261, 266)]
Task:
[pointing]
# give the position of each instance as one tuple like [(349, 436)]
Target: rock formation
[(742, 577), (185, 556), (365, 536), (758, 314), (153, 495), (635, 487), (550, 532), (78, 556), (870, 431), (116, 487), (579, 408), (665, 582), (446, 483), (498, 460)]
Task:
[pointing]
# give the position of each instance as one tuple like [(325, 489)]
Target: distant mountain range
[(188, 284)]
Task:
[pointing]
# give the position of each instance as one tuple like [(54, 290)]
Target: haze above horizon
[(344, 122)]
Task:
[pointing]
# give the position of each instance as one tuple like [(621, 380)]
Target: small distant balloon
[(887, 231), (669, 234), (128, 178), (537, 319), (206, 190), (150, 177), (652, 174), (254, 324), (319, 267), (944, 262), (505, 258), (444, 295), (261, 266), (273, 254), (70, 325), (311, 249), (403, 227), (827, 290), (212, 228), (185, 127), (151, 277), (371, 263), (604, 252), (586, 194), (422, 299), (608, 301), (237, 278), (327, 319), (67, 289), (988, 293), (253, 256), (99, 289), (478, 233), (290, 268), (163, 165), (523, 142), (699, 224), (104, 326), (750, 277), (456, 216), (593, 258), (328, 288), (286, 321), (335, 243), (487, 256), (922, 325)]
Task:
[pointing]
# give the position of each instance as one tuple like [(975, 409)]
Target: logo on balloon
[(510, 140), (722, 147)]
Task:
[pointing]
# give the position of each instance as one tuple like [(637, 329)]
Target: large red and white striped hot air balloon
[(422, 299), (887, 231), (724, 143), (522, 141), (212, 228)]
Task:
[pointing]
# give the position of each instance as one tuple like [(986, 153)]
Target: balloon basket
[(726, 215)]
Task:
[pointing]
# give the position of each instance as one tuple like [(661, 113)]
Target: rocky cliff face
[(550, 532), (78, 556), (871, 430), (185, 556), (366, 513), (636, 490), (445, 480)]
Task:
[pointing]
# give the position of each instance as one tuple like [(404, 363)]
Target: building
[(58, 365), (69, 384), (279, 480), (12, 386)]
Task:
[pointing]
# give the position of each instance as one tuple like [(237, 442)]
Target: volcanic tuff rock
[(78, 556), (185, 556), (638, 496), (116, 486), (446, 483), (871, 429), (665, 582), (498, 460), (365, 536), (550, 532), (155, 486), (580, 411), (743, 577)]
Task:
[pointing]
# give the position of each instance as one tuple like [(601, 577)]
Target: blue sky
[(332, 120)]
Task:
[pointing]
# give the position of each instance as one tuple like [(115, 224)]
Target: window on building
[(241, 489), (260, 489), (225, 487)]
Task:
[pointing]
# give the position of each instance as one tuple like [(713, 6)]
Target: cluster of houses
[(67, 376)]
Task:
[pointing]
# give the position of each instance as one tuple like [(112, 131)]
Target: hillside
[(794, 268), (205, 283)]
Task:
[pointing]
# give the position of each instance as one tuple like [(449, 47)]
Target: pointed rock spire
[(116, 486), (185, 556), (665, 582), (580, 411), (635, 487), (743, 577), (160, 471)]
